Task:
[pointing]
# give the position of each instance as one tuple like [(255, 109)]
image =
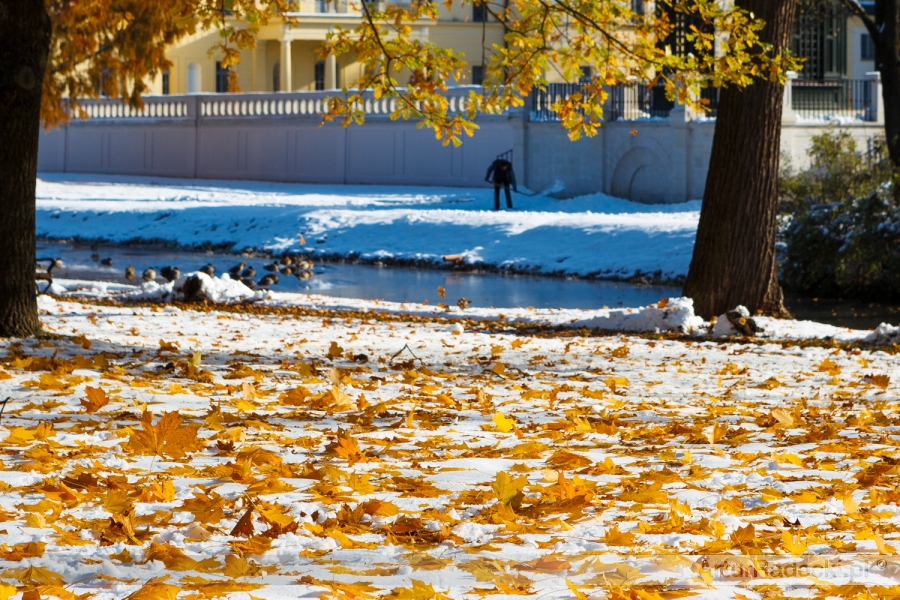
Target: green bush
[(840, 224)]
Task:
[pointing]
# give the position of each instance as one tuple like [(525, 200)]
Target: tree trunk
[(734, 252), (888, 16), (24, 46)]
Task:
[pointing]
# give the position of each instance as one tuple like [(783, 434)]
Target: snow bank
[(90, 288), (884, 334), (674, 315), (196, 287)]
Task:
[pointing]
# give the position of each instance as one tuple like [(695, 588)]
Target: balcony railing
[(638, 101), (626, 102), (839, 99), (543, 100), (250, 105), (855, 101)]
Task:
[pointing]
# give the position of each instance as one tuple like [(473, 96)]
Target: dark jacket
[(502, 177)]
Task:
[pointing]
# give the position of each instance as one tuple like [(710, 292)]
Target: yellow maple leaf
[(359, 483), (882, 381), (828, 366), (155, 589), (851, 507), (235, 566), (96, 399), (175, 559), (516, 585), (346, 447), (38, 576), (19, 435), (167, 438), (717, 432), (276, 516), (582, 425), (783, 416), (509, 489), (418, 590), (381, 508), (792, 543), (614, 383), (769, 384), (614, 537), (503, 423)]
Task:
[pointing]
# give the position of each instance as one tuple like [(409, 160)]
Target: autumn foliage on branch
[(619, 45), (113, 47)]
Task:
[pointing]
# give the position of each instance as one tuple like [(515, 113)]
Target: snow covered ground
[(304, 456), (592, 234)]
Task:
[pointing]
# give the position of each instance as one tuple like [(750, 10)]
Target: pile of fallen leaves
[(152, 453)]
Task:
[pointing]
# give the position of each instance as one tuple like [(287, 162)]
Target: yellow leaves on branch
[(167, 438)]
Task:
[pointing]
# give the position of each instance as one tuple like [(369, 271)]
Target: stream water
[(399, 284)]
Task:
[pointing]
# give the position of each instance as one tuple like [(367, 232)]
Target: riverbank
[(596, 236)]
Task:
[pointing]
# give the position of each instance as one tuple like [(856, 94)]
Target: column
[(680, 118), (286, 65), (875, 112), (194, 82), (253, 83), (788, 116), (331, 72)]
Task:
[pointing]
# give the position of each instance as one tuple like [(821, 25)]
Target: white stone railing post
[(875, 110), (682, 112), (788, 114)]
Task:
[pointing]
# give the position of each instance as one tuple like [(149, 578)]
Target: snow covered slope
[(591, 234)]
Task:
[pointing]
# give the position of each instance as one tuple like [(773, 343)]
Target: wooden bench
[(45, 273)]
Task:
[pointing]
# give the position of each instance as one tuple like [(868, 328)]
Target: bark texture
[(888, 15), (24, 46), (734, 253)]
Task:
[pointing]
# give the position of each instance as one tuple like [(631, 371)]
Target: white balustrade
[(231, 106)]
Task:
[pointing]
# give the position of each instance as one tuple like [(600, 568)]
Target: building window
[(637, 6), (820, 37), (222, 74), (477, 75), (276, 76), (479, 13), (683, 24), (321, 6), (866, 47), (319, 75), (165, 83)]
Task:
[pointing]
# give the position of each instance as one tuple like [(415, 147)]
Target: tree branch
[(871, 26)]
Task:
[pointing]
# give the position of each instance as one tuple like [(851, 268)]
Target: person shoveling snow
[(503, 176)]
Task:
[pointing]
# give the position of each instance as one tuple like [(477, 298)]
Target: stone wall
[(279, 137)]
